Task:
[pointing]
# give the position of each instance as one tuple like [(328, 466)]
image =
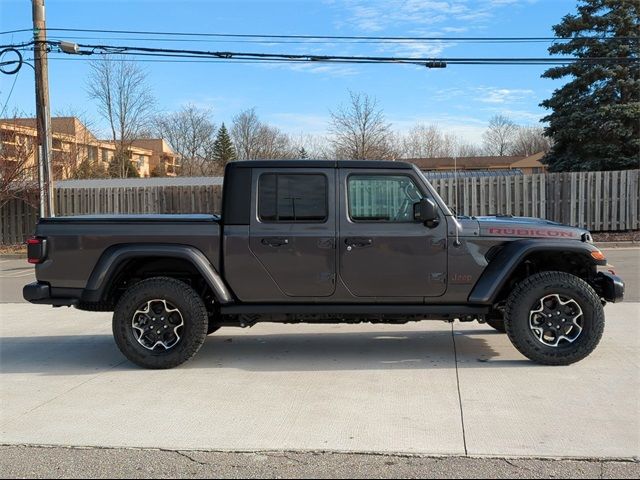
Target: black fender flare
[(113, 258), (497, 273)]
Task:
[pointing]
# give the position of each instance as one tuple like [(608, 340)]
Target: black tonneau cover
[(127, 218)]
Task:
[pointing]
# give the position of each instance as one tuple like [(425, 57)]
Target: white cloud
[(375, 16), (502, 95), (331, 69)]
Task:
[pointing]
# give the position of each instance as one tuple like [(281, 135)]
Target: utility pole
[(43, 114)]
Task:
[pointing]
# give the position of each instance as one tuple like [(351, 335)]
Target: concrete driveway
[(426, 388)]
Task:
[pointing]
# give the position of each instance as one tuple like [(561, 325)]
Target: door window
[(292, 198), (382, 198)]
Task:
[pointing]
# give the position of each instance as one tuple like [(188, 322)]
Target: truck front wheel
[(554, 318), (160, 323)]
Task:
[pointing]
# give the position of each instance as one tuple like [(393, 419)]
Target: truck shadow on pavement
[(384, 350)]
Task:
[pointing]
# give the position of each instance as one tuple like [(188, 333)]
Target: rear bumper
[(610, 287), (40, 293)]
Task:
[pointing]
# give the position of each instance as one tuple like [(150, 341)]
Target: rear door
[(293, 231), (382, 251)]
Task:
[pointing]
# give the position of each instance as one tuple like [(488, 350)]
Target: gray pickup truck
[(324, 241)]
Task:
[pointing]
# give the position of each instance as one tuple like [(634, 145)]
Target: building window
[(92, 153), (292, 198)]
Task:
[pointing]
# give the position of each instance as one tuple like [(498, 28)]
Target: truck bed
[(76, 244)]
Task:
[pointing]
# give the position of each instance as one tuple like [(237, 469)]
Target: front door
[(382, 251), (293, 232)]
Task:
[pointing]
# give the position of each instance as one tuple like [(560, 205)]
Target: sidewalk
[(342, 388)]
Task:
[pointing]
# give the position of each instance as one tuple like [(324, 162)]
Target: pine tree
[(302, 154), (595, 118), (223, 149)]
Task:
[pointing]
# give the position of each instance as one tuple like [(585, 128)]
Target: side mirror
[(426, 211)]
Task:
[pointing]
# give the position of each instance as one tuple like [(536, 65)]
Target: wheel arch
[(116, 259), (507, 266)]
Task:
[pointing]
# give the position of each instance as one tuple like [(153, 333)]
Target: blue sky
[(298, 98)]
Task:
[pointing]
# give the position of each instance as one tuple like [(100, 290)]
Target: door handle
[(358, 242), (275, 241)]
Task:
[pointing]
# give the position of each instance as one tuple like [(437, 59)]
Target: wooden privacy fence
[(598, 201)]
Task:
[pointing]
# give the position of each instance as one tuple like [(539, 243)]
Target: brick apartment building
[(74, 143)]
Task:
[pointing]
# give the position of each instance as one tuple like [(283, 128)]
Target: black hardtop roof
[(321, 164)]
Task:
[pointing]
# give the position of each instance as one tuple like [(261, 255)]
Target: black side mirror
[(426, 211)]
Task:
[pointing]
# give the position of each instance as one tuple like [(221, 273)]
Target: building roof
[(139, 182), (532, 161), (494, 172), (480, 162), (63, 125), (156, 144)]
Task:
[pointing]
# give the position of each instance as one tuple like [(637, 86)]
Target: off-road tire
[(523, 299), (180, 295), (497, 324)]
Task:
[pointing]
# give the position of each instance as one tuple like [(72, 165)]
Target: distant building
[(525, 164), (73, 143), (162, 158)]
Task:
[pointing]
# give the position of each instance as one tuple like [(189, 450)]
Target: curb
[(14, 256), (625, 244)]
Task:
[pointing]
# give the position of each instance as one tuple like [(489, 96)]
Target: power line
[(303, 41), (17, 31), (6, 103), (168, 52), (160, 60), (339, 37), (254, 57)]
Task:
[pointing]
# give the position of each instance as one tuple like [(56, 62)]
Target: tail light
[(36, 250)]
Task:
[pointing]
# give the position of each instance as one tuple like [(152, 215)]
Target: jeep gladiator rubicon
[(324, 241)]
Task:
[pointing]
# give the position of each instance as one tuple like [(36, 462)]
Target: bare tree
[(245, 134), (254, 139), (18, 167), (315, 146), (359, 130), (192, 135), (530, 140), (464, 149), (499, 136), (428, 141), (119, 86)]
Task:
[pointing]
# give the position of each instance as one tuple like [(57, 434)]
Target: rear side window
[(292, 198)]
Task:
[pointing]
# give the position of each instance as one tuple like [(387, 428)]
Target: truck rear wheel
[(160, 323), (554, 318)]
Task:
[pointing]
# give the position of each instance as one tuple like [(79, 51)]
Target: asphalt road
[(39, 462)]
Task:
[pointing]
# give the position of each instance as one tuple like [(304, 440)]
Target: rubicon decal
[(530, 232)]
